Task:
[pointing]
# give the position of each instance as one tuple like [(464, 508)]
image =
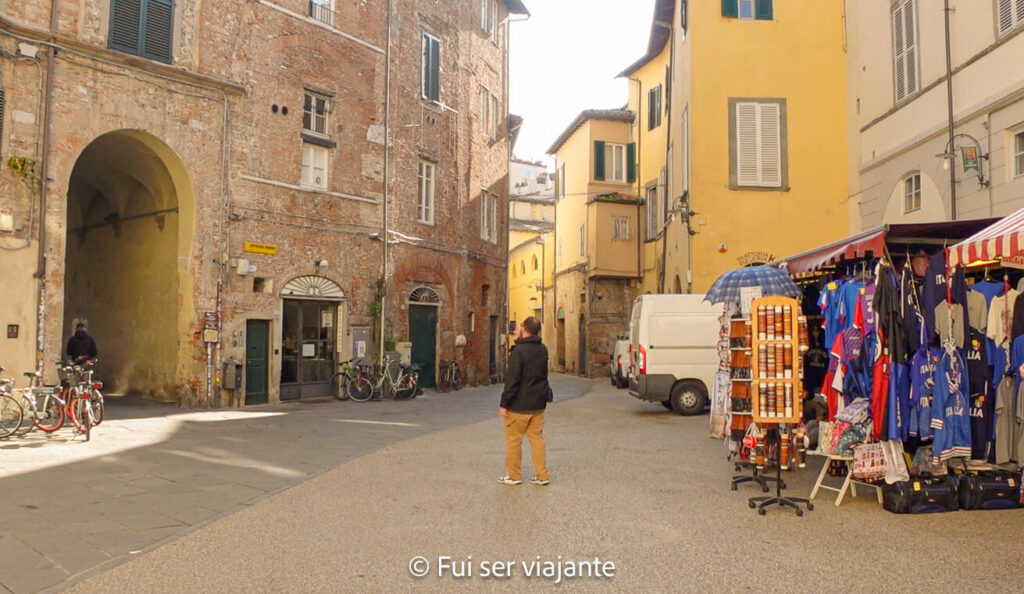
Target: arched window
[(535, 262), (513, 271), (522, 266)]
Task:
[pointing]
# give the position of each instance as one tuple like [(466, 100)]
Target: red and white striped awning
[(1002, 240)]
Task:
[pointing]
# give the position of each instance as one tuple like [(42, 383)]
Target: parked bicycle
[(11, 412), (450, 377), (347, 372), (400, 383)]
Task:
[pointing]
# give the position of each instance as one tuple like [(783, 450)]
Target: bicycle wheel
[(51, 416), (28, 410), (97, 407), (406, 387), (73, 409), (359, 389), (456, 377), (11, 415), (339, 385), (81, 413)]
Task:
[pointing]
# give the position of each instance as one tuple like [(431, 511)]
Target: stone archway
[(130, 221)]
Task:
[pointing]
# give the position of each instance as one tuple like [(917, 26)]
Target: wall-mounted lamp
[(971, 156), (320, 263)]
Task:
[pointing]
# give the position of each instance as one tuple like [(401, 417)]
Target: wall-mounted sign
[(755, 258), (970, 156), (211, 320), (260, 248)]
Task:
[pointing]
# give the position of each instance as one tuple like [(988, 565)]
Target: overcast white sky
[(564, 59)]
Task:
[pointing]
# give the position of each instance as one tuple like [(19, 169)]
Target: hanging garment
[(828, 303), (880, 391), (934, 291), (1008, 425), (849, 295), (950, 418), (864, 315), (990, 289), (922, 389), (977, 310), (1017, 323), (979, 373), (889, 314), (1000, 317), (913, 319), (944, 313), (720, 405), (898, 428)]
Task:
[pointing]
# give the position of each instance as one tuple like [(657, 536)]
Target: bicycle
[(347, 372), (450, 377), (45, 406), (11, 413), (381, 382)]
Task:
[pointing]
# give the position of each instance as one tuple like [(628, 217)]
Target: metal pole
[(387, 135), (949, 104)]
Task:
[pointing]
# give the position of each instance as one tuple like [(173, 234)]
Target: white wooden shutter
[(910, 45), (746, 144), (904, 43), (1004, 16), (770, 128)]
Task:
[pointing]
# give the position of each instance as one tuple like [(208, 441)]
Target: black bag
[(990, 490), (551, 394), (921, 495)]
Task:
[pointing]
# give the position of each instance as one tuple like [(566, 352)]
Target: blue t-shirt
[(990, 289)]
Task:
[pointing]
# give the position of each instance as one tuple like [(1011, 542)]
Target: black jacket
[(81, 345), (526, 381)]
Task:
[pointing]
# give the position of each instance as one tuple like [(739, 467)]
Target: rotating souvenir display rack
[(775, 391)]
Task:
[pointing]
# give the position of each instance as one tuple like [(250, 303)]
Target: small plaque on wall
[(12, 330)]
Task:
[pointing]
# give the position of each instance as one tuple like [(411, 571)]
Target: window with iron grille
[(322, 10), (621, 230), (142, 27)]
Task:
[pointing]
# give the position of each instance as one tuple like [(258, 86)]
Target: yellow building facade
[(755, 146), (526, 279), (595, 257)]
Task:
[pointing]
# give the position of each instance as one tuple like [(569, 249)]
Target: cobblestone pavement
[(632, 485), (152, 472)]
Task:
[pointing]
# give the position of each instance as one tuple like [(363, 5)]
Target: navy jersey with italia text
[(979, 373)]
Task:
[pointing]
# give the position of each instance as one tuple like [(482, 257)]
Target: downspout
[(639, 193), (44, 185), (387, 142), (949, 105)]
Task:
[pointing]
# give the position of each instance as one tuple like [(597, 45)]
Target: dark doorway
[(308, 341), (423, 335), (560, 342), (583, 346), (256, 333), (492, 349)]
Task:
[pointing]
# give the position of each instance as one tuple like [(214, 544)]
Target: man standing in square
[(523, 401)]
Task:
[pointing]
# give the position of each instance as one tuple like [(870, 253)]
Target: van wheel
[(689, 398), (667, 404)]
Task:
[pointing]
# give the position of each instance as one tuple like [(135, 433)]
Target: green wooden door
[(256, 332), (423, 335)]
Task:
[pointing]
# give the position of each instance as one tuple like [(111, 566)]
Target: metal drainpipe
[(44, 186), (949, 105), (639, 193), (387, 133)]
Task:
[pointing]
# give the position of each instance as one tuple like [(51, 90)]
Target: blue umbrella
[(772, 280)]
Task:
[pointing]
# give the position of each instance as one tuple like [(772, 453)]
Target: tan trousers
[(532, 426)]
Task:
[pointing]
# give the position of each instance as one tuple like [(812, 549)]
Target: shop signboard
[(1014, 261)]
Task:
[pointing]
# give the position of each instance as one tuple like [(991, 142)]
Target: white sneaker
[(537, 481), (507, 480)]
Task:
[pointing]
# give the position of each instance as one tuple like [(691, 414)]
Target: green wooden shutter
[(158, 30), (730, 8), (599, 159), (125, 17), (631, 162), (763, 10)]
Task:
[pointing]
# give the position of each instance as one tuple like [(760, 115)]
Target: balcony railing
[(321, 11)]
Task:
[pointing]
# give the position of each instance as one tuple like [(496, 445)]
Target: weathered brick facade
[(163, 178)]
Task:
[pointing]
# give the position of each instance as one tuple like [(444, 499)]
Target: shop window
[(758, 153), (912, 193), (904, 44), (1018, 154), (142, 27)]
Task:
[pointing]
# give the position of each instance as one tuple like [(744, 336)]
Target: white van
[(673, 342)]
